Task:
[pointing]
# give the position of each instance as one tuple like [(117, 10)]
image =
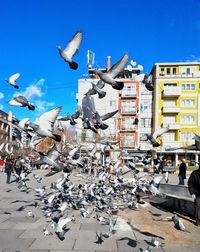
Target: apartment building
[(176, 103), (124, 126)]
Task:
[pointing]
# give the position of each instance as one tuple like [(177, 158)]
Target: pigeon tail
[(31, 107), (118, 85), (15, 86), (56, 137), (149, 87), (73, 65)]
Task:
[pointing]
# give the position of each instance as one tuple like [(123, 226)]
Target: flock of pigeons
[(101, 199)]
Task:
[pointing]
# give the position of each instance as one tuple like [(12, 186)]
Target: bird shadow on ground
[(145, 232), (130, 242)]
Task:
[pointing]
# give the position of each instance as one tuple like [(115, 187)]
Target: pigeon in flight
[(148, 81), (12, 80), (44, 126), (153, 138), (71, 49), (109, 77), (72, 117), (95, 90), (98, 120), (21, 101)]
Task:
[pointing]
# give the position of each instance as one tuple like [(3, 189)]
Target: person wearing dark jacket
[(182, 172), (194, 189), (8, 168)]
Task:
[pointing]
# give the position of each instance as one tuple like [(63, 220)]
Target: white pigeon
[(71, 49), (30, 214), (154, 185), (21, 101), (44, 126), (12, 80)]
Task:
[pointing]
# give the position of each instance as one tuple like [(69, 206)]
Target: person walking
[(182, 172), (194, 189), (8, 168)]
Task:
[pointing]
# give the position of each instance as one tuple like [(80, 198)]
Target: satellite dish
[(133, 63), (129, 67), (140, 67)]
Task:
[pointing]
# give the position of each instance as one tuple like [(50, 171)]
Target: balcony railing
[(126, 93), (171, 109), (129, 144), (171, 91), (128, 111), (172, 126), (182, 75), (172, 144), (125, 128)]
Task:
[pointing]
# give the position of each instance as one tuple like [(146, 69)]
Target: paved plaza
[(18, 232)]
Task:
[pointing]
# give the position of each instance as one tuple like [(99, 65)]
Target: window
[(188, 86), (170, 84), (129, 106), (113, 104), (174, 70), (169, 103), (169, 119), (162, 71), (168, 71), (188, 119), (127, 140), (187, 70), (129, 90), (145, 122), (127, 123), (145, 106), (186, 136), (168, 137), (188, 102)]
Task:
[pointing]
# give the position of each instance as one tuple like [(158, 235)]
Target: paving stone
[(52, 242), (32, 250), (4, 217), (22, 219), (33, 233), (94, 226), (6, 225), (28, 225), (88, 245), (181, 248), (16, 244)]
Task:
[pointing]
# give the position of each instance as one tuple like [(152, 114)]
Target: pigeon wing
[(13, 102), (12, 79), (100, 84), (108, 115), (47, 119), (160, 132), (73, 45), (119, 66)]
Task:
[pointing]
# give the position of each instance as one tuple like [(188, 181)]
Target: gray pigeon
[(95, 90), (115, 70), (148, 81), (72, 117), (71, 49), (12, 80), (21, 101)]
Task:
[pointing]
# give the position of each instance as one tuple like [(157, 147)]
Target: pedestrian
[(2, 163), (161, 166), (182, 172), (194, 189), (8, 168), (18, 166), (83, 166), (94, 165)]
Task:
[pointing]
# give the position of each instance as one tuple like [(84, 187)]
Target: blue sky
[(150, 31)]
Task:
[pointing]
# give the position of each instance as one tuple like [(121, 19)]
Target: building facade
[(176, 104)]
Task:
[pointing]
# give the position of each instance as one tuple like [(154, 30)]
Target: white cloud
[(34, 91), (43, 106), (1, 95)]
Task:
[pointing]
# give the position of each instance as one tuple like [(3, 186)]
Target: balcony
[(127, 129), (172, 144), (127, 144), (170, 110), (172, 126), (171, 91), (145, 146), (128, 94), (128, 111)]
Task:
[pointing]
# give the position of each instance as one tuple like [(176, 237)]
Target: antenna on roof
[(90, 58)]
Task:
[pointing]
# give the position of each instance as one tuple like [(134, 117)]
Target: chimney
[(108, 63)]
